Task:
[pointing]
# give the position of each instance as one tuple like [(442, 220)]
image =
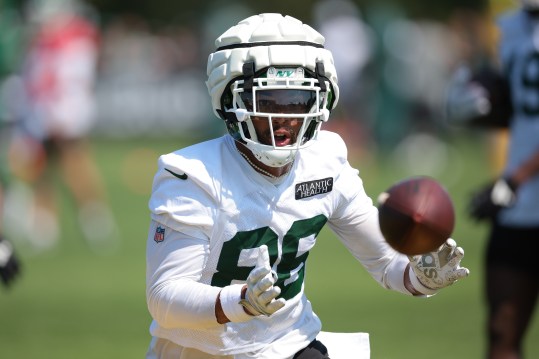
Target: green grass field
[(71, 303)]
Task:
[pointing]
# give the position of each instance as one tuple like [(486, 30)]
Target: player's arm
[(419, 275), (528, 169), (176, 298), (465, 99), (503, 192), (478, 98), (356, 225), (174, 264)]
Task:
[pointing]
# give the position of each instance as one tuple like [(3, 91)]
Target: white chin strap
[(272, 157)]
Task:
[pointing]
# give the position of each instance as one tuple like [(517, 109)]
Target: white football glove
[(465, 99), (438, 269), (261, 293)]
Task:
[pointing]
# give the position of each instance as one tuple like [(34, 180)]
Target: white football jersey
[(519, 53), (211, 199)]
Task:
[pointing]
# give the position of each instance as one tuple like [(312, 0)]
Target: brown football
[(416, 215)]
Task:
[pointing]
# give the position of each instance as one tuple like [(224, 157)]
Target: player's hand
[(487, 202), (9, 264), (261, 292), (438, 269), (466, 99)]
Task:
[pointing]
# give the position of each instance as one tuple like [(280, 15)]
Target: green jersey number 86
[(291, 267)]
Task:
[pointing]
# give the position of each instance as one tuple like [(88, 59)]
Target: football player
[(59, 75), (510, 203), (234, 218)]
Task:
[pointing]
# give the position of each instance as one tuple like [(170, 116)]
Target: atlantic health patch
[(313, 188)]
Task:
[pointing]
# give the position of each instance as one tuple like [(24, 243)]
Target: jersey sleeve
[(174, 264), (355, 222), (183, 196)]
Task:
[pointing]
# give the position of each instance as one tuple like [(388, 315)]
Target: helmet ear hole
[(226, 99)]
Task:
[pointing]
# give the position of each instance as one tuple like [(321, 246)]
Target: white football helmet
[(272, 66)]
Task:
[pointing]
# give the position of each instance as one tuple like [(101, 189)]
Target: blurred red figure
[(59, 76)]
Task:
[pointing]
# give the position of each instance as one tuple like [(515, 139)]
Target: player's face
[(285, 129)]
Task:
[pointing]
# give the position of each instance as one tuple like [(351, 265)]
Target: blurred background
[(131, 75)]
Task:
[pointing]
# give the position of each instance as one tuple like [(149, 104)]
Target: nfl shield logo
[(159, 234)]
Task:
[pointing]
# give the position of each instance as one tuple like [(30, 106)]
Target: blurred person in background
[(483, 97), (341, 24), (10, 51), (234, 218), (58, 79)]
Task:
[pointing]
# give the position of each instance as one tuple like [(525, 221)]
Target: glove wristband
[(230, 297), (420, 287)]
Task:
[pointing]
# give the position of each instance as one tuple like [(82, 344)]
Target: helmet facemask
[(277, 95)]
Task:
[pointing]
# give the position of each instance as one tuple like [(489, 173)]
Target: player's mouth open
[(282, 138)]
